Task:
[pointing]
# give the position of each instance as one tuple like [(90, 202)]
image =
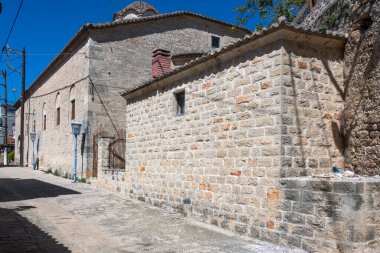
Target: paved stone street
[(44, 213)]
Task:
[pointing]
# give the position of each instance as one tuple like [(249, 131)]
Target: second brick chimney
[(161, 62)]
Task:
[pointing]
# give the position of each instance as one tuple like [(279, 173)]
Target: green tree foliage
[(268, 10), (11, 156)]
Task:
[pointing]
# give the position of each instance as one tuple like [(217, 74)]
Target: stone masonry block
[(295, 218), (304, 208), (344, 187), (313, 197), (322, 185), (303, 231), (294, 195)]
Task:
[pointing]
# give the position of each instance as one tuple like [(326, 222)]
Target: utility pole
[(5, 107), (22, 100), (5, 118)]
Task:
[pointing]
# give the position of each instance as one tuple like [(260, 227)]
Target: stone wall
[(268, 112), (362, 88), (55, 146), (121, 57), (318, 11), (328, 215), (100, 67), (311, 111), (329, 15), (108, 178), (361, 131)]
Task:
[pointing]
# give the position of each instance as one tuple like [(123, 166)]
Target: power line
[(47, 54), (10, 31), (13, 59), (10, 73)]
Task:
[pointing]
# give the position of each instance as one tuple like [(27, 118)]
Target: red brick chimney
[(161, 62)]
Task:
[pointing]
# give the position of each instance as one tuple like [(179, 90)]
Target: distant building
[(10, 126)]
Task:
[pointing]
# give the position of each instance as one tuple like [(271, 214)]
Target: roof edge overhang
[(61, 57), (166, 15), (278, 31)]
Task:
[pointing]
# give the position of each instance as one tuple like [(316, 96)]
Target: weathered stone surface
[(333, 215), (231, 145), (362, 88), (359, 134)]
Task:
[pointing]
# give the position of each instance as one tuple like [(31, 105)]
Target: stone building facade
[(245, 138), (97, 64), (362, 118), (257, 115), (9, 126), (361, 129), (328, 15)]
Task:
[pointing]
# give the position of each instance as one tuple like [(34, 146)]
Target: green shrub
[(11, 156), (56, 173), (49, 171)]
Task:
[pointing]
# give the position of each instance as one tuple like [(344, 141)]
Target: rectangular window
[(44, 123), (180, 99), (58, 116), (73, 109), (215, 42)]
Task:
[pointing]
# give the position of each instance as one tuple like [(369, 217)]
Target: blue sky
[(45, 26)]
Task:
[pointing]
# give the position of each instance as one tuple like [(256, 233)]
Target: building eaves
[(281, 24), (166, 15), (83, 33), (190, 54)]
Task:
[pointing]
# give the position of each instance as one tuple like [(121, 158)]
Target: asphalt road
[(44, 213)]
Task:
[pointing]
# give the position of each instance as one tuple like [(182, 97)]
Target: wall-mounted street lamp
[(75, 127), (33, 138)]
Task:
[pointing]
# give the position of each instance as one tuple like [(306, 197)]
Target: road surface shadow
[(23, 189), (17, 234)]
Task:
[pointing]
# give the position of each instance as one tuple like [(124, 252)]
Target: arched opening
[(19, 147), (34, 121), (44, 116), (72, 103), (58, 109)]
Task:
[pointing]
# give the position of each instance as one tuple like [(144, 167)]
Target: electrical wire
[(13, 59), (13, 88), (10, 73), (10, 31), (47, 54), (13, 71)]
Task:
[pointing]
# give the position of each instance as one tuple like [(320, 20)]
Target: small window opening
[(365, 24), (34, 126), (215, 42), (180, 98), (58, 116), (44, 123), (73, 109)]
